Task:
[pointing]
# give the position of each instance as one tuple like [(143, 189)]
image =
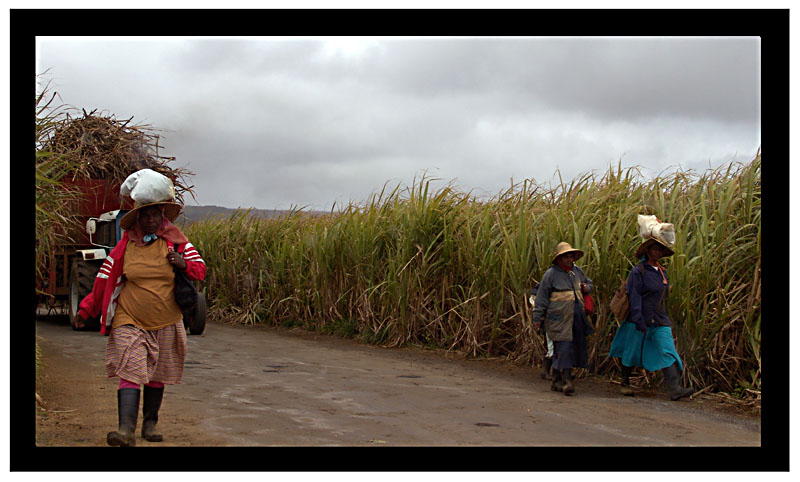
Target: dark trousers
[(575, 353)]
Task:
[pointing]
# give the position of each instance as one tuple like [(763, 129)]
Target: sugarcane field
[(404, 320), (406, 242)]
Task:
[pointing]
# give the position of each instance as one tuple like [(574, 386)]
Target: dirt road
[(255, 386)]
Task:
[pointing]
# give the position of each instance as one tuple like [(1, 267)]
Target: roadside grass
[(443, 268), (39, 362)]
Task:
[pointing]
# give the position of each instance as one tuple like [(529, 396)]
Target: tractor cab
[(104, 231)]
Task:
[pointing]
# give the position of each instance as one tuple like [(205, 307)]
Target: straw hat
[(171, 212), (564, 247), (646, 244), (148, 188)]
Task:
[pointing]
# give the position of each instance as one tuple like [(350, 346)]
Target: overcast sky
[(278, 122)]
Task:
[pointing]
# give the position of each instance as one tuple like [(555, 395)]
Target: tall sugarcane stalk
[(440, 267)]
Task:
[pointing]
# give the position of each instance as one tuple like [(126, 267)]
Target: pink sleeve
[(195, 266), (91, 305)]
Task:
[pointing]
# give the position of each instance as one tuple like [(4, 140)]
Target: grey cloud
[(611, 78), (626, 78), (270, 124)]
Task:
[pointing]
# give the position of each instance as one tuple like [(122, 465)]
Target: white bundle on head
[(148, 186), (652, 227)]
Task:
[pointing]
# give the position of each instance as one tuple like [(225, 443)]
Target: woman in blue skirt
[(645, 337)]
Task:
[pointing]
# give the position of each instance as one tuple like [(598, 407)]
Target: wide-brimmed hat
[(646, 244), (148, 188), (171, 212), (563, 248)]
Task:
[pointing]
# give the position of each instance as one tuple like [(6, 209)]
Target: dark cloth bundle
[(185, 292)]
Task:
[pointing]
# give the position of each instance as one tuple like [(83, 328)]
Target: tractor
[(73, 267)]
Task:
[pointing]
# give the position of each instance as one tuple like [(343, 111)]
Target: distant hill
[(192, 214)]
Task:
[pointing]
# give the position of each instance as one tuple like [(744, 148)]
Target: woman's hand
[(176, 259), (78, 322), (584, 289)]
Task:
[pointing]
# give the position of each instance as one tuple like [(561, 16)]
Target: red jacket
[(103, 298)]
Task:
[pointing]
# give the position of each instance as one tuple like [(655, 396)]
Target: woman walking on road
[(134, 291), (559, 303), (644, 339)]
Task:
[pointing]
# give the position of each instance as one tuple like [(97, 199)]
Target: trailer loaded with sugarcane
[(96, 153)]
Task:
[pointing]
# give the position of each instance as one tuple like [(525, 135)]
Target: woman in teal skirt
[(644, 339)]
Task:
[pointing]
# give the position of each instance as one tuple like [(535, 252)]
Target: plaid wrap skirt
[(143, 356)]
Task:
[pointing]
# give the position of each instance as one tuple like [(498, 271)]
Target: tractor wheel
[(81, 280), (195, 320)]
